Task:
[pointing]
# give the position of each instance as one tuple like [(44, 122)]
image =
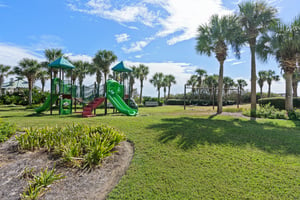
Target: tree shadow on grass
[(189, 132)]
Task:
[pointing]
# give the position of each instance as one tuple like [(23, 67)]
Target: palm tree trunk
[(141, 92), (165, 92), (295, 88), (288, 91), (261, 93), (269, 90), (158, 97), (105, 101), (253, 79), (220, 88), (30, 91), (169, 88)]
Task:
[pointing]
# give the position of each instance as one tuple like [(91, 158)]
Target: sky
[(157, 33)]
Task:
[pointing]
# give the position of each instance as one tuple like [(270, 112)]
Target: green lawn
[(194, 155)]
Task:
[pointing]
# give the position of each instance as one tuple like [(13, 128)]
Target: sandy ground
[(78, 184)]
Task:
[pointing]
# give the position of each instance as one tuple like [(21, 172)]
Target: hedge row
[(279, 102), (196, 102)]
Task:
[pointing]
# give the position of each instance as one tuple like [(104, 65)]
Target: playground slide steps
[(88, 109)]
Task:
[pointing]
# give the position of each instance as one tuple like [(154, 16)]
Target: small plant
[(6, 130), (39, 183), (78, 145)]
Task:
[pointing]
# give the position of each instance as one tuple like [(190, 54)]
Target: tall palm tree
[(28, 68), (256, 17), (132, 75), (51, 55), (215, 38), (141, 73), (241, 84), (228, 83), (270, 76), (262, 77), (284, 44), (43, 76), (170, 80), (157, 81), (165, 85), (4, 72), (295, 81), (192, 82), (103, 59), (201, 73)]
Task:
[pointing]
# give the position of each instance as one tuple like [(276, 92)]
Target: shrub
[(268, 111), (6, 130), (79, 145)]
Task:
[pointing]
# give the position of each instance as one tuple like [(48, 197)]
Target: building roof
[(15, 84)]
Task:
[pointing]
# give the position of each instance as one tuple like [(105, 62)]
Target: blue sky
[(157, 33)]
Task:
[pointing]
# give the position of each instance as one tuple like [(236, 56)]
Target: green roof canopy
[(61, 63), (120, 67)]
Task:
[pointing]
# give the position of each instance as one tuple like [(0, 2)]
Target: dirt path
[(77, 184)]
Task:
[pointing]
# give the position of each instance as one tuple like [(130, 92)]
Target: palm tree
[(201, 73), (157, 81), (81, 70), (192, 82), (28, 68), (284, 43), (170, 80), (214, 38), (51, 55), (212, 82), (241, 84), (165, 85), (295, 81), (4, 72), (228, 83), (141, 73), (270, 76), (43, 76), (255, 19), (132, 75), (262, 77)]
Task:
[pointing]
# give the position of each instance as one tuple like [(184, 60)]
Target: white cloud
[(137, 46), (11, 54), (117, 12), (185, 17), (79, 57), (238, 63), (3, 5), (175, 18), (122, 37)]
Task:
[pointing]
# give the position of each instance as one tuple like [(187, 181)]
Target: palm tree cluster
[(256, 26), (159, 80), (201, 81), (267, 76)]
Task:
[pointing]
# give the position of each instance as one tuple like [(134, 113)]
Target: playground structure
[(89, 96), (60, 89), (204, 96)]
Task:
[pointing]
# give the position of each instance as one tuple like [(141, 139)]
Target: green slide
[(46, 105), (113, 90)]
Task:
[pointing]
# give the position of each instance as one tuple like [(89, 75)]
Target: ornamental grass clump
[(6, 130), (79, 145)]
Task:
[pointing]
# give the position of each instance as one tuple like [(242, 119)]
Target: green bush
[(279, 102), (268, 111), (79, 145), (6, 130)]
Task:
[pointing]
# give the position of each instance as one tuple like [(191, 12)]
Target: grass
[(193, 154)]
